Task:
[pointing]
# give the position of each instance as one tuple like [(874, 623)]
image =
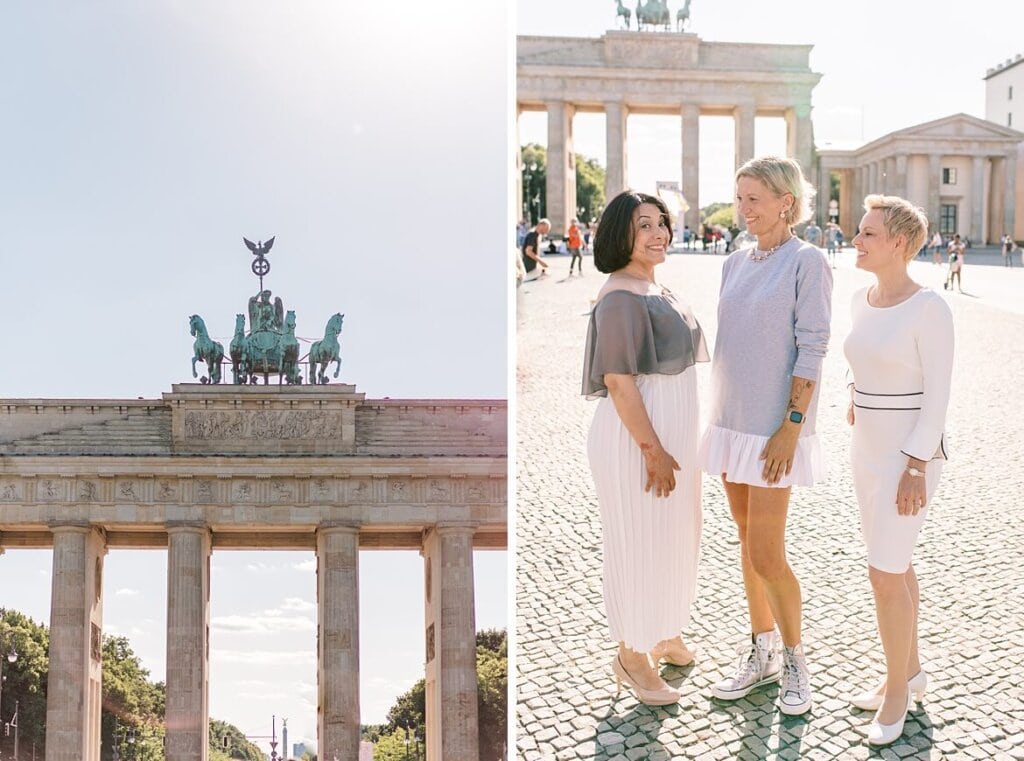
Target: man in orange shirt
[(574, 242)]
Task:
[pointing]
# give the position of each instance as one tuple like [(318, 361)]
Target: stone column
[(900, 182), (451, 691), (188, 642), (1009, 185), (74, 694), (800, 136), (977, 231), (743, 119), (690, 184), (934, 184), (561, 170), (521, 213), (615, 177), (874, 179), (337, 593)]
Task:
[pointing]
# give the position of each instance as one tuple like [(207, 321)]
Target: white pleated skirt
[(651, 544)]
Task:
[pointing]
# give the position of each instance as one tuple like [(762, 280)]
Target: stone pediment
[(960, 127)]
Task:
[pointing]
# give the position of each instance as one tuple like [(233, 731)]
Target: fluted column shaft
[(977, 199), (451, 694), (743, 122), (188, 649), (1009, 184), (75, 683), (690, 184), (615, 178), (337, 584), (561, 169), (934, 185)]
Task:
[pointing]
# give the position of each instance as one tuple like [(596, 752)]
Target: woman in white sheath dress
[(900, 352)]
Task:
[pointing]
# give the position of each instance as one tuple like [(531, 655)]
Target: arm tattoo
[(799, 386)]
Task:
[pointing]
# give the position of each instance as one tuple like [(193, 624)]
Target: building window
[(1009, 119), (949, 175), (947, 218), (1010, 95)]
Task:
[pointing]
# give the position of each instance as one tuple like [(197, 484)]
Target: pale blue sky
[(139, 143), (886, 66)]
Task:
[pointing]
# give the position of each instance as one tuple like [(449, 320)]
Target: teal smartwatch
[(796, 417)]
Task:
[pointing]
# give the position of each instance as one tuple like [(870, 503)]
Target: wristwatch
[(796, 417), (915, 472)]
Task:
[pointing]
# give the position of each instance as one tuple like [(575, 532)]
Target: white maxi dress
[(651, 544)]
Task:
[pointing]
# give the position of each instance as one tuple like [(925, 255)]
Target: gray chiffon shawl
[(630, 334)]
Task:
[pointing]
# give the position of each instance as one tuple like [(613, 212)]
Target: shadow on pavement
[(647, 720)]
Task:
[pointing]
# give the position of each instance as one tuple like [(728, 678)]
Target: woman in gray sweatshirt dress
[(773, 328)]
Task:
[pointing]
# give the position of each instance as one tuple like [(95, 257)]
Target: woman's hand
[(911, 494), (661, 468), (778, 453), (849, 414)]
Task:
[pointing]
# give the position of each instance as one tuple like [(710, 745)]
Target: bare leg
[(914, 659), (766, 539), (895, 612), (639, 668), (761, 618)]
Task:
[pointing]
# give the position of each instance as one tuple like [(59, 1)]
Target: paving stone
[(968, 556)]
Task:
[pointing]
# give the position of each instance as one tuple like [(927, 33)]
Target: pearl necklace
[(757, 255)]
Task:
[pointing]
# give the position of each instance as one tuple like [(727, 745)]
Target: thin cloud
[(265, 623), (126, 592), (265, 657)]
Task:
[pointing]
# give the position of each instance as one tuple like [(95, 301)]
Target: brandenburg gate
[(249, 466), (679, 74)]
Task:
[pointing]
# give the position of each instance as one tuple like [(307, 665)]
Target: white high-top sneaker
[(758, 664), (795, 686)]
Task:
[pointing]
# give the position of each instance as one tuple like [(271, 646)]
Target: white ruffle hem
[(738, 455)]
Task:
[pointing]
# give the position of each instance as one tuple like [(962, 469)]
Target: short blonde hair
[(901, 218), (781, 176)]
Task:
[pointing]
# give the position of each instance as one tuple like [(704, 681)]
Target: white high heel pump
[(872, 699)]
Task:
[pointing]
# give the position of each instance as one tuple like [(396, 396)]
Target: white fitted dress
[(651, 544), (901, 361)]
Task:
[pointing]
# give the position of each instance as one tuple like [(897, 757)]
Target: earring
[(782, 214)]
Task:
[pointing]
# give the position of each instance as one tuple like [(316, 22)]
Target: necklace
[(757, 255)]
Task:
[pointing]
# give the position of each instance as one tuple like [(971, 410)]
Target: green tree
[(133, 706), (534, 162), (24, 680), (393, 747), (492, 692), (227, 740), (589, 188), (718, 214)]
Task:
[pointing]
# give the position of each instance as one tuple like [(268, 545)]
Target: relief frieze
[(263, 424)]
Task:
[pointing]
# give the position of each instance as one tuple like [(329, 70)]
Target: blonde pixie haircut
[(782, 176), (901, 218)]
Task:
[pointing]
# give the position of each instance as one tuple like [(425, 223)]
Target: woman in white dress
[(900, 352), (642, 344)]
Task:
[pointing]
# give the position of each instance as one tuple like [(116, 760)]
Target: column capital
[(338, 527), (454, 527), (187, 527)]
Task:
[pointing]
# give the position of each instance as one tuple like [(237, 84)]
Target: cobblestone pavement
[(968, 557)]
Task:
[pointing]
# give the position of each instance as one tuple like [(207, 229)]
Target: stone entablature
[(282, 421)]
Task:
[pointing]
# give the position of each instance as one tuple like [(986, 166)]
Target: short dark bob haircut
[(613, 243)]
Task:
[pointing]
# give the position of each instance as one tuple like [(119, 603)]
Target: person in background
[(574, 243), (956, 262), (533, 264), (812, 234), (936, 245)]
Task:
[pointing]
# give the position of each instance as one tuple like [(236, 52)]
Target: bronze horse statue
[(326, 350), (205, 349)]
